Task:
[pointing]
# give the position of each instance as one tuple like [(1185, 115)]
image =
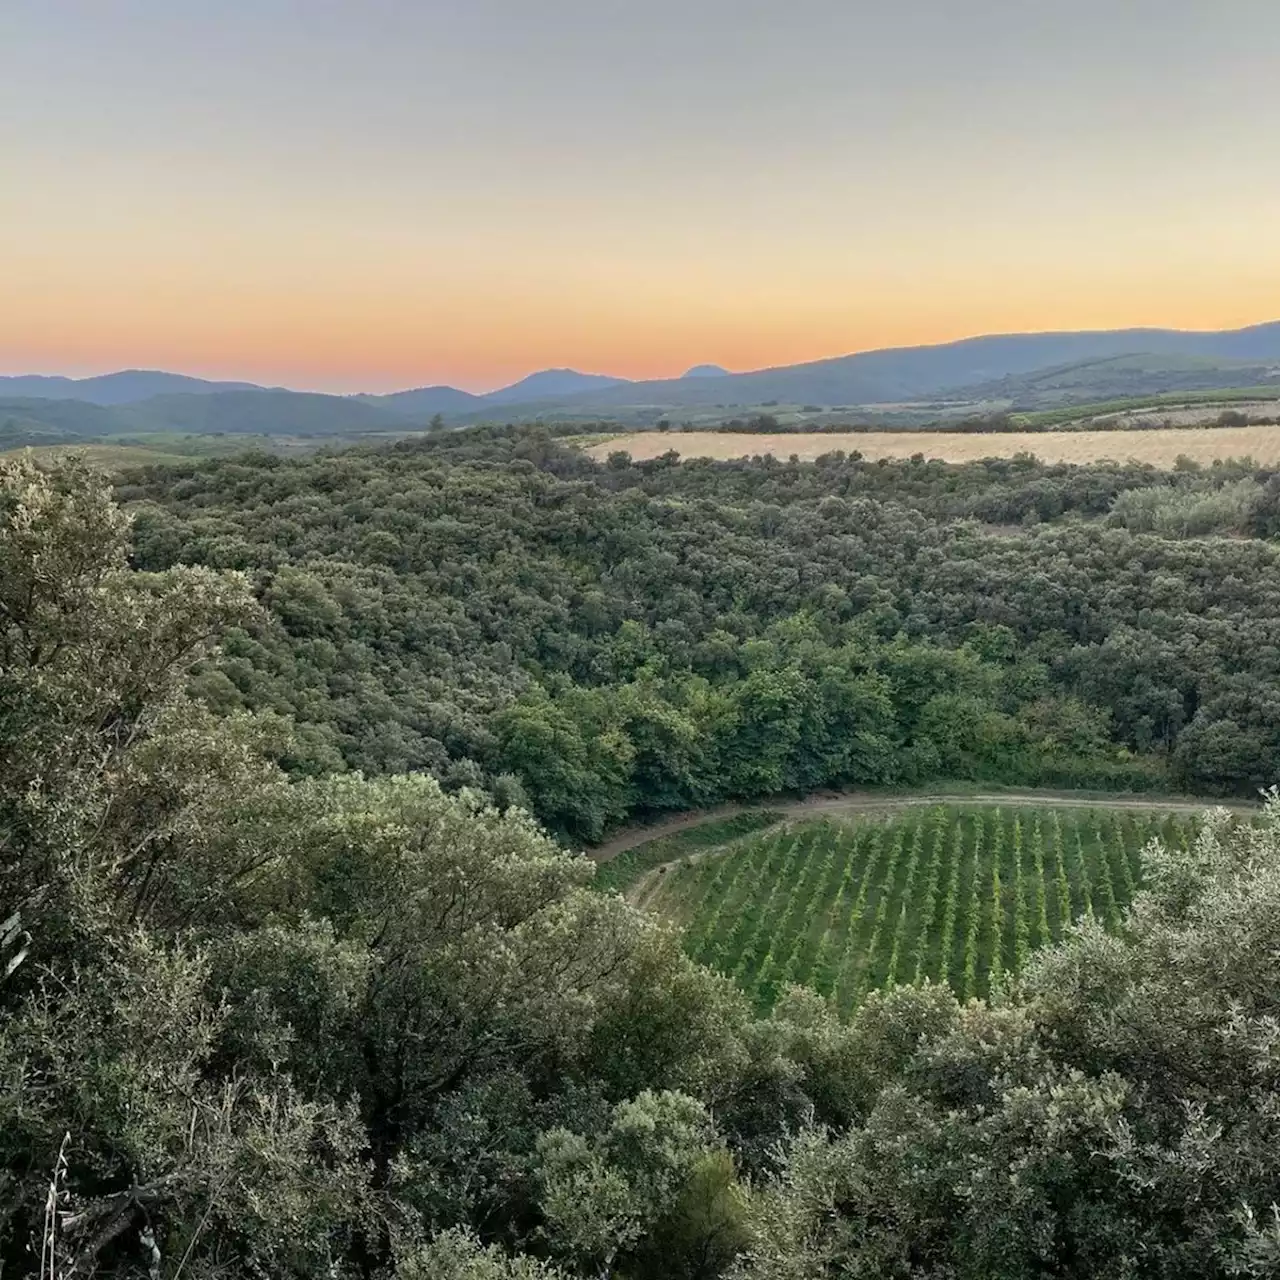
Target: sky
[(377, 194)]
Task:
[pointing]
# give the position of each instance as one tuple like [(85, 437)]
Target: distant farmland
[(1162, 446)]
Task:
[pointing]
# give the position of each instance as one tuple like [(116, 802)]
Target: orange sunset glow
[(420, 194)]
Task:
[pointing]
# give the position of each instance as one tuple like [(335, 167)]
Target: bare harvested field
[(1160, 447)]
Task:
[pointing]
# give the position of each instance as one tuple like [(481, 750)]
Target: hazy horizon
[(369, 198), (232, 376)]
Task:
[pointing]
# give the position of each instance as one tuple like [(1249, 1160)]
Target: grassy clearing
[(592, 440), (620, 873), (946, 893)]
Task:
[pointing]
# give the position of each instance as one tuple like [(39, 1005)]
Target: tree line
[(605, 641)]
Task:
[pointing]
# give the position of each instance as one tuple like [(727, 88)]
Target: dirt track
[(1160, 447), (852, 802)]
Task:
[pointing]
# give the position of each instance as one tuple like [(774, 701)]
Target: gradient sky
[(376, 194)]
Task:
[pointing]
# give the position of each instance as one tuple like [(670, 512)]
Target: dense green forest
[(296, 1023), (608, 641)]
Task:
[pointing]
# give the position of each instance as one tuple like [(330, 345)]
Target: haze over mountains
[(1017, 368), (133, 385), (126, 387)]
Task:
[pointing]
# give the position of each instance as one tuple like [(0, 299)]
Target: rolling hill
[(1122, 376), (39, 418), (424, 402), (34, 421), (258, 412)]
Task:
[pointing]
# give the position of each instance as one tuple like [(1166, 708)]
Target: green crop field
[(949, 894), (1224, 396)]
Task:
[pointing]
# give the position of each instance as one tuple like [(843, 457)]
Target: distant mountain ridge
[(913, 373), (126, 387), (132, 386), (1000, 366)]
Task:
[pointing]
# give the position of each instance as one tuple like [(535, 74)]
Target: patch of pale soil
[(1161, 447)]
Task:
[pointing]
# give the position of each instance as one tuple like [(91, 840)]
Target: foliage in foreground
[(352, 1028)]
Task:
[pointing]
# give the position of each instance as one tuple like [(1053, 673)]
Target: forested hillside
[(254, 1024), (608, 641)]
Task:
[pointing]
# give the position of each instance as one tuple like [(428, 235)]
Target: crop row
[(962, 896)]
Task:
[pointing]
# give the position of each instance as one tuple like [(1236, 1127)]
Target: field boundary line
[(857, 803)]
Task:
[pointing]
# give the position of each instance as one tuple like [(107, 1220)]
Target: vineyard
[(947, 894)]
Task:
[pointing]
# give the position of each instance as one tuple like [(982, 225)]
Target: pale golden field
[(1161, 447)]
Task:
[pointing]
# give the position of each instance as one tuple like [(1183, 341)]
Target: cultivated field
[(1152, 418), (1161, 447), (955, 895)]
